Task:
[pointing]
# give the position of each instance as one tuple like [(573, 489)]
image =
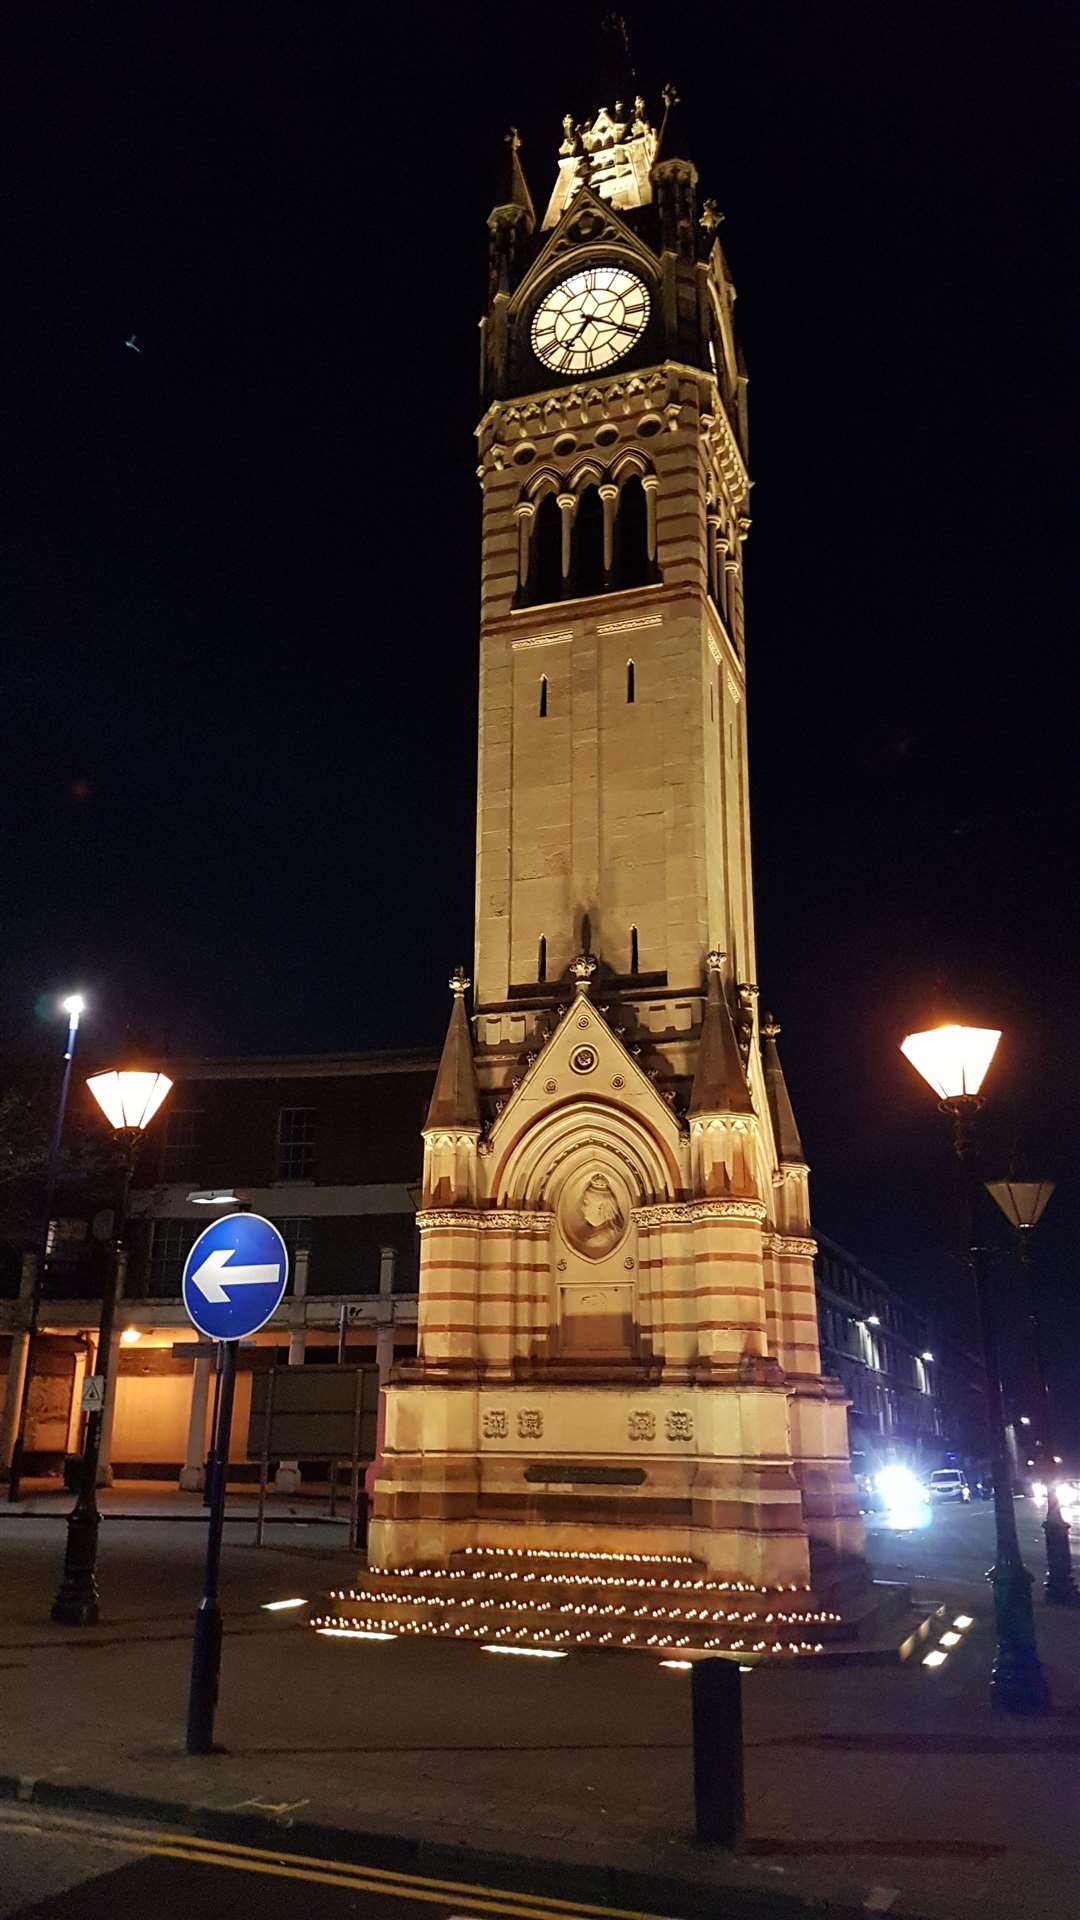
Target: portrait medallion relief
[(594, 1213)]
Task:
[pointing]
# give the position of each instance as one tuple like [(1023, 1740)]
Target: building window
[(629, 683), (632, 568), (296, 1233), (296, 1143), (587, 569), (170, 1243), (633, 950), (183, 1139), (543, 696), (545, 581), (541, 958)]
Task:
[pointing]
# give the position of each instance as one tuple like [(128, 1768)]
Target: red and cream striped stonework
[(617, 1341)]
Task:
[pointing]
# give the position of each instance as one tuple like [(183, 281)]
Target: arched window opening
[(587, 571), (632, 567), (629, 683), (541, 958), (633, 950), (545, 567), (543, 696)]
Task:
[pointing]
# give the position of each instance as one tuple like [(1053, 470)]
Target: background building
[(914, 1395), (328, 1148)]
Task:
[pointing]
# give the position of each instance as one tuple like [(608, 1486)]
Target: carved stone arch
[(533, 1157), (588, 1169), (588, 473), (630, 462), (545, 481)]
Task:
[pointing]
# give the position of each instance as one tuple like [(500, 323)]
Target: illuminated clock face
[(590, 319)]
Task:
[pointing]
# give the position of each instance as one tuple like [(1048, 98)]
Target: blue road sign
[(234, 1276)]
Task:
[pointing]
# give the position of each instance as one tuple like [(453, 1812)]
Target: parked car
[(948, 1483)]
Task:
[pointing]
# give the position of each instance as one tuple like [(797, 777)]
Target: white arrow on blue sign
[(235, 1276)]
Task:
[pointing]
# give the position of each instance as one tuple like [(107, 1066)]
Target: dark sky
[(238, 587)]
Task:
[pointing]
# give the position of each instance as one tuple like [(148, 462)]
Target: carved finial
[(572, 141), (459, 982), (669, 95), (513, 141), (711, 216), (714, 960), (583, 966), (747, 992), (770, 1027)]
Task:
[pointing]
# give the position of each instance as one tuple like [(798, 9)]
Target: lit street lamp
[(129, 1101), (1023, 1203), (953, 1061), (73, 1006)]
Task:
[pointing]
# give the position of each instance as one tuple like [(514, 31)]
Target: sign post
[(234, 1280)]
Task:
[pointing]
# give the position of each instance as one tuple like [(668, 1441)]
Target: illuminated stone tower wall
[(618, 1339)]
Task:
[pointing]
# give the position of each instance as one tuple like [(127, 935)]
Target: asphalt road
[(72, 1867), (957, 1545)]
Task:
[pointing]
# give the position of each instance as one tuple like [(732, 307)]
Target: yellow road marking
[(483, 1899), (350, 1876)]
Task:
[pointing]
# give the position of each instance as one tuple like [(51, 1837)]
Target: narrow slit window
[(541, 958), (543, 696), (712, 703), (633, 950), (630, 683)]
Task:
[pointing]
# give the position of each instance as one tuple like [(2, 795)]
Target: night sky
[(239, 583)]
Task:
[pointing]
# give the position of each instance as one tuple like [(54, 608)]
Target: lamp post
[(1023, 1203), (73, 1006), (953, 1060), (129, 1101)]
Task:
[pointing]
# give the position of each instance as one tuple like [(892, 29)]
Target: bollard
[(716, 1707)]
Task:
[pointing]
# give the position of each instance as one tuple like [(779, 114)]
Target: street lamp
[(953, 1060), (73, 1006), (129, 1101), (1023, 1203)]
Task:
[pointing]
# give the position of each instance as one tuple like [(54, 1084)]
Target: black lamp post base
[(1018, 1683), (1060, 1589), (76, 1603)]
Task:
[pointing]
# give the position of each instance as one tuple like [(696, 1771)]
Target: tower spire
[(455, 1101), (789, 1147), (719, 1081), (515, 191)]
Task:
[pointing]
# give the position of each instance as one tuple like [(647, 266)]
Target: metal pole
[(208, 1476), (1017, 1681), (264, 1466), (716, 1711), (206, 1642), (52, 1166), (1059, 1589), (76, 1603)]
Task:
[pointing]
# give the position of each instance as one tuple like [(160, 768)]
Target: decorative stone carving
[(593, 1214), (495, 1424), (530, 1423), (584, 1059), (641, 1426), (681, 1212), (679, 1425)]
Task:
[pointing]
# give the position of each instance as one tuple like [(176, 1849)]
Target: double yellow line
[(462, 1896)]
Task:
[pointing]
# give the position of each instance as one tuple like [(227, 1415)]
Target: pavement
[(868, 1789)]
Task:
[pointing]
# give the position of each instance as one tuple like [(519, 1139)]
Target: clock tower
[(618, 1347)]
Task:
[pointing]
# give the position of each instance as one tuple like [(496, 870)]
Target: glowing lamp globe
[(952, 1060), (128, 1099), (1021, 1201)]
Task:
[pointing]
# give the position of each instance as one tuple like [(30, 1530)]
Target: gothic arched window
[(587, 570), (545, 580), (632, 567)]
